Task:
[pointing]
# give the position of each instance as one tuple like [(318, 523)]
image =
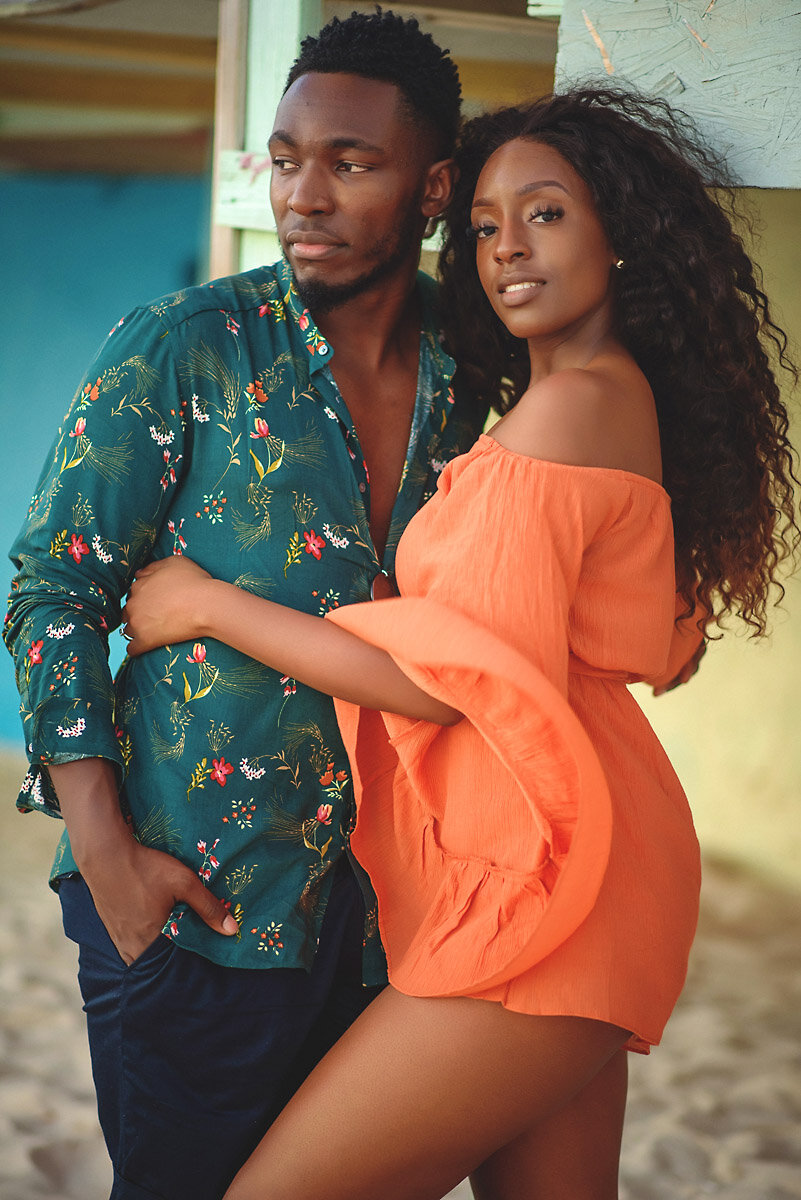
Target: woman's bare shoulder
[(600, 416)]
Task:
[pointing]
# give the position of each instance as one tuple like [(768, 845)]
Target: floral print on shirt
[(210, 425)]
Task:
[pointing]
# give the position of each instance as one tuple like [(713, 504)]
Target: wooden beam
[(173, 154), (152, 49), (132, 90), (229, 122)]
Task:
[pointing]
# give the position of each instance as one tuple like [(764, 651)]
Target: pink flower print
[(78, 547), (303, 320), (179, 541), (35, 652), (324, 814), (80, 425), (314, 544), (262, 428), (263, 310), (198, 654), (220, 769)]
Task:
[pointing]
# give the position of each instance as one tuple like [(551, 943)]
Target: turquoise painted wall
[(76, 254)]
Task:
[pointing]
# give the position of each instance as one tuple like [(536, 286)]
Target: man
[(281, 426)]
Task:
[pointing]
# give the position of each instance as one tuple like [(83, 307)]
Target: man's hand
[(134, 887), (686, 673), (135, 894)]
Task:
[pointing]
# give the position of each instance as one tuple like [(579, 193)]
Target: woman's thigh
[(417, 1094), (573, 1155)]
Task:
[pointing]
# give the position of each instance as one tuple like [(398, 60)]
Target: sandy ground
[(714, 1112)]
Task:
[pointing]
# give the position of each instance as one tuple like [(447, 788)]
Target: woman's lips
[(514, 294)]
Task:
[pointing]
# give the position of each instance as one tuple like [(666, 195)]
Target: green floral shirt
[(210, 424)]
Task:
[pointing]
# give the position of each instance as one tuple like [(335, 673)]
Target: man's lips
[(312, 243)]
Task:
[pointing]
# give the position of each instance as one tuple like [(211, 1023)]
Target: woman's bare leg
[(417, 1094), (574, 1154)]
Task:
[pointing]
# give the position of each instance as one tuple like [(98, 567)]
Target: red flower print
[(80, 425), (341, 776), (220, 769), (257, 392), (262, 428), (328, 778), (198, 654), (78, 547), (215, 862), (92, 390), (35, 652), (303, 320), (314, 544), (324, 814), (263, 310)]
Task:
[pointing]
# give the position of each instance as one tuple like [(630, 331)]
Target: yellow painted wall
[(734, 732), (487, 84)]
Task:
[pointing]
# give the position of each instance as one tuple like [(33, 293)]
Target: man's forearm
[(89, 802)]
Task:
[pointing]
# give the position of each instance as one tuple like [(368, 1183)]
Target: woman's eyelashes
[(543, 216), (548, 214)]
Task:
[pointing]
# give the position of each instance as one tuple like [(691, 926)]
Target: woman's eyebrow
[(525, 190)]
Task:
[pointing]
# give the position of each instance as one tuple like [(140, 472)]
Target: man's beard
[(321, 297)]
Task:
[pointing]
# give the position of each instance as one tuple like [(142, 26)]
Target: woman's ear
[(440, 181)]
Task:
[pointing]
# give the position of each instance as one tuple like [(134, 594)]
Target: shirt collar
[(321, 352)]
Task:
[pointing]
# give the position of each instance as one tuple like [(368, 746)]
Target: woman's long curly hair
[(688, 307)]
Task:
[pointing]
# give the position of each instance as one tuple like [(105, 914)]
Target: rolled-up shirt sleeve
[(92, 522)]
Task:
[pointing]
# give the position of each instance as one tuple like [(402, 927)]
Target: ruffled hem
[(454, 922)]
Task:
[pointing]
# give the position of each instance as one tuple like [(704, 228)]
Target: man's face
[(349, 172)]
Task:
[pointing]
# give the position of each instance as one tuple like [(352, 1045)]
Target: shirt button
[(322, 348), (362, 487)]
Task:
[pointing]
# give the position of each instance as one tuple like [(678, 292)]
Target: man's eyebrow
[(285, 138), (281, 135), (525, 190)]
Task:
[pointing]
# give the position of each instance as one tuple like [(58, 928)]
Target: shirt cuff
[(64, 731)]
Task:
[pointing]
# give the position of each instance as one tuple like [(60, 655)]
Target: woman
[(532, 851)]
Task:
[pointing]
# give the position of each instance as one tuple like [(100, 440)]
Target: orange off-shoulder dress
[(539, 853)]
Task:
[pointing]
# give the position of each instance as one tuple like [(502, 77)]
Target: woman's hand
[(165, 605)]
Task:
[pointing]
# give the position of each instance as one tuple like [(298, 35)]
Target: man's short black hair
[(385, 46)]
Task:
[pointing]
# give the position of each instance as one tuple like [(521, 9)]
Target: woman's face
[(543, 257)]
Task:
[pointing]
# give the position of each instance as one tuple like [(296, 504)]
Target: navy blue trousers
[(193, 1061)]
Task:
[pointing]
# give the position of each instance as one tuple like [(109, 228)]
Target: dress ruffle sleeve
[(486, 841)]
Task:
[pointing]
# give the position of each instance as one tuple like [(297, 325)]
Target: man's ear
[(440, 180)]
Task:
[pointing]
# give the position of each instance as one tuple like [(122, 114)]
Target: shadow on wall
[(78, 252)]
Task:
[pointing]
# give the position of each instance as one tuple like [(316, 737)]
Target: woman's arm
[(174, 600)]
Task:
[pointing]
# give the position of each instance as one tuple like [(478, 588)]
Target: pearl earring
[(620, 264)]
